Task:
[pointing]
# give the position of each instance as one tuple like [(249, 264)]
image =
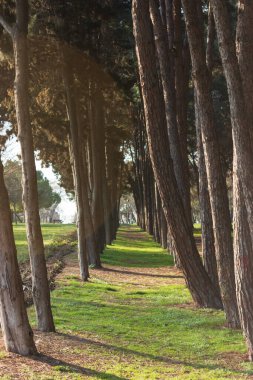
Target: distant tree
[(13, 179), (47, 197)]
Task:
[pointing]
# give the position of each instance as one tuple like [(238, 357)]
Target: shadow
[(146, 356), (140, 273), (74, 368)]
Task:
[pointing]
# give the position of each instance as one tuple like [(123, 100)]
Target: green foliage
[(13, 178), (47, 197)]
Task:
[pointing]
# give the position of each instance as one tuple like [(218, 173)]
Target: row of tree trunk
[(97, 187), (223, 279)]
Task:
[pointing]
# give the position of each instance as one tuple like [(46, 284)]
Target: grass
[(52, 233), (136, 249), (123, 331)]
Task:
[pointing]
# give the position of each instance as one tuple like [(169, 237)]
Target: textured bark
[(243, 249), (202, 290), (17, 333), (216, 181), (208, 246), (244, 44), (41, 293), (239, 95), (241, 125), (76, 161), (167, 71), (90, 236), (96, 123), (182, 77), (242, 238)]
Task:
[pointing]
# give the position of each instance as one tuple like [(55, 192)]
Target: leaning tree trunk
[(166, 64), (40, 286), (241, 124), (239, 79), (200, 285), (17, 333), (216, 181)]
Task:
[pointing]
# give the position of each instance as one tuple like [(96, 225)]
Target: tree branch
[(9, 29)]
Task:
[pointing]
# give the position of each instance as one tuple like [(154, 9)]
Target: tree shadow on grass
[(146, 356), (65, 367), (140, 273)]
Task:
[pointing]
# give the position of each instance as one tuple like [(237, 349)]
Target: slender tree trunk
[(41, 293), (96, 119), (17, 333), (92, 252), (208, 246), (76, 158), (216, 181), (182, 77), (166, 63), (202, 290)]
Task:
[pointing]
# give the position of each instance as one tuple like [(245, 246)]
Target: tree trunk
[(202, 290), (241, 124), (17, 333), (216, 181), (92, 252), (76, 160), (96, 119), (166, 64), (182, 77), (239, 81), (208, 246), (41, 293)]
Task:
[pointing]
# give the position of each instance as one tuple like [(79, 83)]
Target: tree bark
[(242, 237), (96, 115), (17, 333), (166, 64), (241, 125), (202, 290), (216, 181), (207, 235)]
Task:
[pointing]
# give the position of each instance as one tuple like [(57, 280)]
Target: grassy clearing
[(136, 249), (124, 331), (52, 233)]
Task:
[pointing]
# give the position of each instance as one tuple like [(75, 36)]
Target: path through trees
[(138, 316)]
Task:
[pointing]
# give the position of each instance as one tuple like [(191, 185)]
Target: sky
[(67, 207)]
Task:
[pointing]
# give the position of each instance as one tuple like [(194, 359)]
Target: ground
[(133, 320)]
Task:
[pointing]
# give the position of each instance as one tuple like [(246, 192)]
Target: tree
[(216, 181), (41, 293), (202, 290), (13, 178), (17, 333), (239, 96), (47, 197)]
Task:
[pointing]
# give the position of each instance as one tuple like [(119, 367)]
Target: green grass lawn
[(125, 331), (51, 233)]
